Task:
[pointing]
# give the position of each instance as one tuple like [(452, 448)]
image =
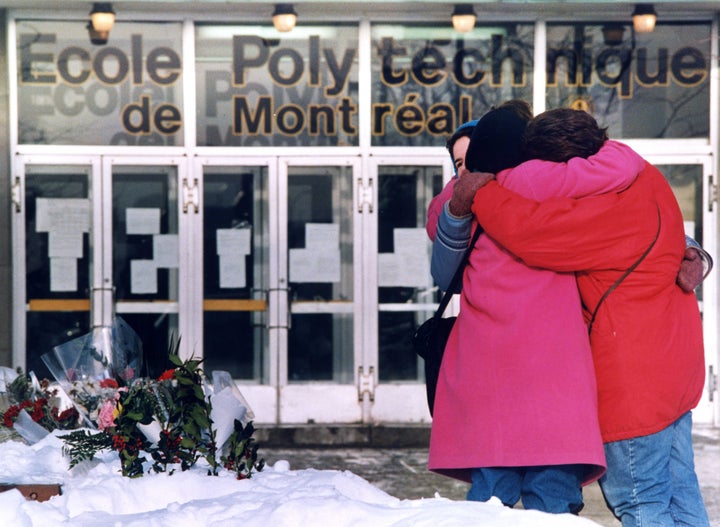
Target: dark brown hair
[(519, 107), (561, 134)]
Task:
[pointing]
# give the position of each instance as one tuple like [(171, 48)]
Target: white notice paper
[(322, 236), (63, 274), (62, 215), (232, 271), (409, 265), (319, 261), (165, 250), (65, 244), (142, 221), (234, 241), (143, 277), (410, 241), (311, 265)]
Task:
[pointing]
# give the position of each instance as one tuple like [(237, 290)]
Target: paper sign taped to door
[(311, 265), (142, 220), (409, 264), (234, 242), (65, 244), (62, 215), (232, 271), (143, 277), (165, 250), (63, 274)]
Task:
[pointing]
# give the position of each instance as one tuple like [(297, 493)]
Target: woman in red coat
[(646, 337)]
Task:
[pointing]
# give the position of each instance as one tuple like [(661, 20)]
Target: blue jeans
[(553, 488), (651, 479)]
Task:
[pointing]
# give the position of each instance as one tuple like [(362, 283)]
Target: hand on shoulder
[(464, 191)]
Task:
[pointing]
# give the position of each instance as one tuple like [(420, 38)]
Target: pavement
[(394, 459)]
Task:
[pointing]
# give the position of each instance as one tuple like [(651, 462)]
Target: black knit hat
[(496, 142)]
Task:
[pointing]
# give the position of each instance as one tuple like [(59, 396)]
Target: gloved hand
[(468, 183), (691, 270)]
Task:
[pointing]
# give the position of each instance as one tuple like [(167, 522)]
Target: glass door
[(279, 301), (318, 292), (404, 295), (148, 272), (55, 271), (94, 238), (235, 260)]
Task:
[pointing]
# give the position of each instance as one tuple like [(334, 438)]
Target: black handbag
[(431, 337)]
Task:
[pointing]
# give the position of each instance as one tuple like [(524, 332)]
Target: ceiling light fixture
[(102, 19), (644, 18), (463, 18), (284, 17)]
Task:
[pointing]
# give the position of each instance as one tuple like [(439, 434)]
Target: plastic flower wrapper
[(7, 376), (89, 367), (228, 405), (28, 429)]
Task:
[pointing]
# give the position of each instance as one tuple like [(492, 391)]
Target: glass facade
[(639, 85), (256, 87), (428, 80), (128, 92)]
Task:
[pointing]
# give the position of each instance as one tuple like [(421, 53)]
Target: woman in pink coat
[(516, 403)]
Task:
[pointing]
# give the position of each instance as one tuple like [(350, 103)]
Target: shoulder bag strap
[(457, 277), (624, 276)]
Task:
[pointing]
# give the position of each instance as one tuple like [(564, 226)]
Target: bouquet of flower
[(168, 423), (92, 367), (33, 408)]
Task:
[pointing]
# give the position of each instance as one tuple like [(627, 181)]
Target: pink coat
[(517, 385)]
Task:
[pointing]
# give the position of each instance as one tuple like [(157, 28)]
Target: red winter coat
[(647, 338)]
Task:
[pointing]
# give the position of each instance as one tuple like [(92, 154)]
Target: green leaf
[(175, 359)]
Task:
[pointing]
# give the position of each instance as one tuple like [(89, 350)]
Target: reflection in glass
[(258, 87), (653, 85), (70, 92), (428, 79)]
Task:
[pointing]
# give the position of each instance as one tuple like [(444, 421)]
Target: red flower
[(167, 375), (66, 417), (108, 383), (38, 411), (10, 415), (119, 442)]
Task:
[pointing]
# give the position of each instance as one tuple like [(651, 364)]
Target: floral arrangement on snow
[(169, 423), (161, 424), (28, 399)]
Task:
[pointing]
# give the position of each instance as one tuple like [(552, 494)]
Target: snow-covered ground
[(96, 494)]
